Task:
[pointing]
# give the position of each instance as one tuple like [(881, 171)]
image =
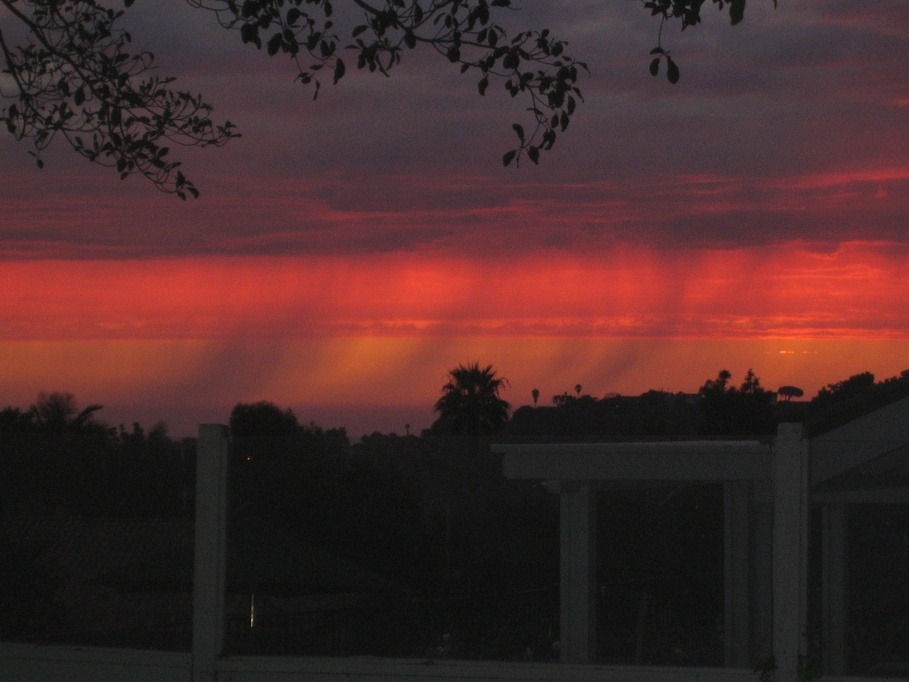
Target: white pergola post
[(578, 513), (580, 467), (834, 518), (790, 543), (210, 551)]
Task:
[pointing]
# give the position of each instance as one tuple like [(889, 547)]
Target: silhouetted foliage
[(59, 413), (843, 401), (263, 430), (14, 420), (663, 415), (148, 474), (76, 76), (856, 385), (652, 415), (689, 13), (730, 411), (790, 392), (470, 402), (262, 420), (58, 456), (717, 410)]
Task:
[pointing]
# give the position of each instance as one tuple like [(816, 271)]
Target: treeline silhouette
[(467, 562), (718, 409), (59, 456)]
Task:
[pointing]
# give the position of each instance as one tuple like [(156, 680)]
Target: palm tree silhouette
[(470, 402), (59, 413), (535, 394)]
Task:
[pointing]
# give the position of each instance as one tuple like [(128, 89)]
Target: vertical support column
[(736, 574), (210, 550), (790, 543), (578, 572), (833, 562)]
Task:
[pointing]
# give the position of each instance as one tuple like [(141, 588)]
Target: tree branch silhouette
[(76, 76)]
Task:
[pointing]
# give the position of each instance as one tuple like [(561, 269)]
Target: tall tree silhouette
[(262, 419), (730, 411), (470, 402)]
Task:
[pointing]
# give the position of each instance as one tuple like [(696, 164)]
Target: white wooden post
[(210, 550), (790, 541), (834, 518), (737, 573), (578, 572)]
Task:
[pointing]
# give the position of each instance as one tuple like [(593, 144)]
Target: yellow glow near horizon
[(187, 381), (192, 336)]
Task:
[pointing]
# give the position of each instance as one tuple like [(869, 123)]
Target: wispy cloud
[(857, 290)]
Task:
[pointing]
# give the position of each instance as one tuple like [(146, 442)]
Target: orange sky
[(368, 333), (786, 291), (381, 383)]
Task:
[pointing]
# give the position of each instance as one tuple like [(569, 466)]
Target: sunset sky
[(346, 252)]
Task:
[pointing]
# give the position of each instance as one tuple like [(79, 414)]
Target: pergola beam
[(659, 461)]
